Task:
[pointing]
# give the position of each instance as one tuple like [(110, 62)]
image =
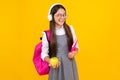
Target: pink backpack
[(40, 65)]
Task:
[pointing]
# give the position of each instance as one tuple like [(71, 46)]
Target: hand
[(56, 66), (71, 54)]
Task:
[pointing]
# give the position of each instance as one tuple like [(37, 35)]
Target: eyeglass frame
[(61, 15)]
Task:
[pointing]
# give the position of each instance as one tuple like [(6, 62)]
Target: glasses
[(61, 15)]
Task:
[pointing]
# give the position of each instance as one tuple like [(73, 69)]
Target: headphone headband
[(50, 15)]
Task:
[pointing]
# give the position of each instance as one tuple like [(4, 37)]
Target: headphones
[(50, 15)]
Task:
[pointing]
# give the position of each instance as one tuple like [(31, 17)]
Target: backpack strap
[(48, 39), (47, 34)]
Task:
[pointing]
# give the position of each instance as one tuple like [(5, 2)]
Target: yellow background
[(96, 23)]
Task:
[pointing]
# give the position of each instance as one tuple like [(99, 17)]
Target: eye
[(60, 15)]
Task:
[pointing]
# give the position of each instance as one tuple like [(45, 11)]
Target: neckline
[(61, 35), (59, 28)]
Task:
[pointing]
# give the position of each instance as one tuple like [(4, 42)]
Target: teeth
[(61, 21)]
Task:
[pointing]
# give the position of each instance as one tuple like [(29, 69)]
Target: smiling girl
[(62, 37)]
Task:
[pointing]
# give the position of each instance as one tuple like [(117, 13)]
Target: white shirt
[(45, 44)]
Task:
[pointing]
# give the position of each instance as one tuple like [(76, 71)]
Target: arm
[(73, 53), (45, 51), (45, 48), (74, 38), (47, 59)]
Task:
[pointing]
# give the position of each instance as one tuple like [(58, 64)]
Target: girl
[(62, 38)]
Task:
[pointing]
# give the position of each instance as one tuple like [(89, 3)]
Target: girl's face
[(60, 17)]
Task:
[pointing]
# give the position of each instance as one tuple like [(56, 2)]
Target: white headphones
[(50, 15)]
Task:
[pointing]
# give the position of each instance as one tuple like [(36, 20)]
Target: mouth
[(61, 21)]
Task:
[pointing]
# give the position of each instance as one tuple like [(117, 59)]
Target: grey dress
[(67, 70)]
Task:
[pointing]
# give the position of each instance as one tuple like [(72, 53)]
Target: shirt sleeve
[(74, 37), (45, 46)]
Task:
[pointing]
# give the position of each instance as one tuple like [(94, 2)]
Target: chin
[(61, 24)]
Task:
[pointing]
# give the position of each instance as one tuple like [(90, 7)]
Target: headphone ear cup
[(50, 17)]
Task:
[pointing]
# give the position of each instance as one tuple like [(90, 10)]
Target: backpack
[(42, 67)]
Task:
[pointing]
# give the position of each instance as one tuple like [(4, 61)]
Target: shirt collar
[(59, 28)]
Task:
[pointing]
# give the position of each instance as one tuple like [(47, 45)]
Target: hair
[(53, 41)]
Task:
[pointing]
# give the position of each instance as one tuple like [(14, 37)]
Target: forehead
[(60, 11)]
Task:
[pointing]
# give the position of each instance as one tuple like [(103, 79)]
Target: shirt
[(59, 31)]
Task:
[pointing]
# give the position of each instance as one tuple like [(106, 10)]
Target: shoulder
[(46, 34), (46, 31), (71, 28)]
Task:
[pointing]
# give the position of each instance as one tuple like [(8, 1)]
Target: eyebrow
[(60, 13)]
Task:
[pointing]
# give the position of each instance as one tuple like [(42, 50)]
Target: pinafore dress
[(67, 70)]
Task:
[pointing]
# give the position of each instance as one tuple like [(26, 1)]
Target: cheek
[(56, 20)]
